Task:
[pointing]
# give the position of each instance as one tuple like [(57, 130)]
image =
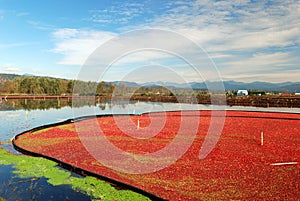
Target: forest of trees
[(35, 85), (53, 86)]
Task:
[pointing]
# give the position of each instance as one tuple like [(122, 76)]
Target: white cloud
[(220, 55), (65, 33), (40, 25), (147, 73), (76, 44), (261, 61), (262, 66), (10, 69), (142, 56), (232, 30), (275, 76), (236, 33), (235, 25), (133, 49), (121, 13)]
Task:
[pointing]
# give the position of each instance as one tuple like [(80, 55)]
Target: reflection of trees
[(80, 102), (34, 104), (43, 104), (57, 103), (102, 106)]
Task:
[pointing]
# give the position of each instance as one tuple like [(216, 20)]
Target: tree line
[(53, 86), (33, 85)]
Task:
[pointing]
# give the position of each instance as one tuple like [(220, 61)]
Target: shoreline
[(37, 96), (253, 101)]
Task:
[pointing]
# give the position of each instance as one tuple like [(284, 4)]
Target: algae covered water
[(14, 188)]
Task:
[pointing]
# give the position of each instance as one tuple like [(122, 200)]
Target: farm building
[(242, 93)]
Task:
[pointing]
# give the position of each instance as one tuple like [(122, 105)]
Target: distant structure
[(242, 93), (285, 95)]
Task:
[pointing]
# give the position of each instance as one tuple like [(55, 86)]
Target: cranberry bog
[(257, 155)]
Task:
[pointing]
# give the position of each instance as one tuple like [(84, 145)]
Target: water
[(22, 117), (17, 116), (13, 188)]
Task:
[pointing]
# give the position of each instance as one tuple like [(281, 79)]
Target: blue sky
[(247, 40)]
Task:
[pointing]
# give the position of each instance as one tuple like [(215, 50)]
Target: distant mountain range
[(4, 76), (289, 87)]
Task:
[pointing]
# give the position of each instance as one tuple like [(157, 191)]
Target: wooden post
[(261, 138)]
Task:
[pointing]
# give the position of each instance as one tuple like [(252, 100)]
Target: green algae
[(36, 167), (100, 189)]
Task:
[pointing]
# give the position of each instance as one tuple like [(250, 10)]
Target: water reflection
[(18, 115), (59, 103), (42, 104)]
